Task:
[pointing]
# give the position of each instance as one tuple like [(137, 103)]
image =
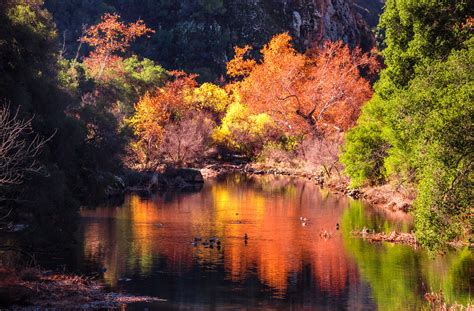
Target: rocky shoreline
[(383, 196)]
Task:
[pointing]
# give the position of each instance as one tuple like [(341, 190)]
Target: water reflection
[(398, 275), (146, 246)]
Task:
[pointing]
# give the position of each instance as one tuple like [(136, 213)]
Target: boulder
[(182, 179), (115, 186), (187, 174)]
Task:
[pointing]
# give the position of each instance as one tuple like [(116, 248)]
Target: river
[(147, 246)]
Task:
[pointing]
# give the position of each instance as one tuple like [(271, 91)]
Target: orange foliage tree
[(109, 37), (317, 92), (240, 66), (154, 111)]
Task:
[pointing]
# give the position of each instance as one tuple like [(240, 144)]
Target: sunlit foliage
[(244, 132), (154, 111), (108, 38), (210, 98), (318, 92)]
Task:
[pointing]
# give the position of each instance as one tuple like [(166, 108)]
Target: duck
[(337, 226), (325, 234)]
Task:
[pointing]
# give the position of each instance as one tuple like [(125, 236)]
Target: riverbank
[(398, 238), (386, 196), (31, 288)]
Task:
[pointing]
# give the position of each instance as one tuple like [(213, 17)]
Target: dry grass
[(437, 302), (389, 197), (392, 237), (33, 288)]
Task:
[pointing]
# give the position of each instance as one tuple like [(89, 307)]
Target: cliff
[(199, 35)]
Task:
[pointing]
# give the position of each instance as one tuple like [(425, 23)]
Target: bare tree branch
[(19, 147)]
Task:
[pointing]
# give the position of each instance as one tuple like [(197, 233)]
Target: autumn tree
[(154, 111), (241, 65), (317, 92), (108, 38), (243, 132), (210, 98)]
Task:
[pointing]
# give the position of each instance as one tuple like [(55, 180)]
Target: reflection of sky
[(149, 241)]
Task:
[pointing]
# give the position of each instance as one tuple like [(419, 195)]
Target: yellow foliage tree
[(210, 98), (244, 132)]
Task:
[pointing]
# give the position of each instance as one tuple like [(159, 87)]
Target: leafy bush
[(210, 98), (363, 155), (243, 132)]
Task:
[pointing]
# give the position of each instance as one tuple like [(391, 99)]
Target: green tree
[(418, 127), (416, 32)]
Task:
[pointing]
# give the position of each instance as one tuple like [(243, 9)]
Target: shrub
[(244, 133), (363, 155), (321, 153), (187, 140)]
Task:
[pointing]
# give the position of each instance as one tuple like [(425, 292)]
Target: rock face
[(199, 36), (310, 22), (370, 10)]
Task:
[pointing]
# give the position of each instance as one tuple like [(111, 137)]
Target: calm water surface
[(146, 246)]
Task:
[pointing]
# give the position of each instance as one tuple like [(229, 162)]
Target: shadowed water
[(147, 247)]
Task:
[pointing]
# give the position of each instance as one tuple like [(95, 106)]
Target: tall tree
[(109, 37), (315, 92), (423, 96)]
